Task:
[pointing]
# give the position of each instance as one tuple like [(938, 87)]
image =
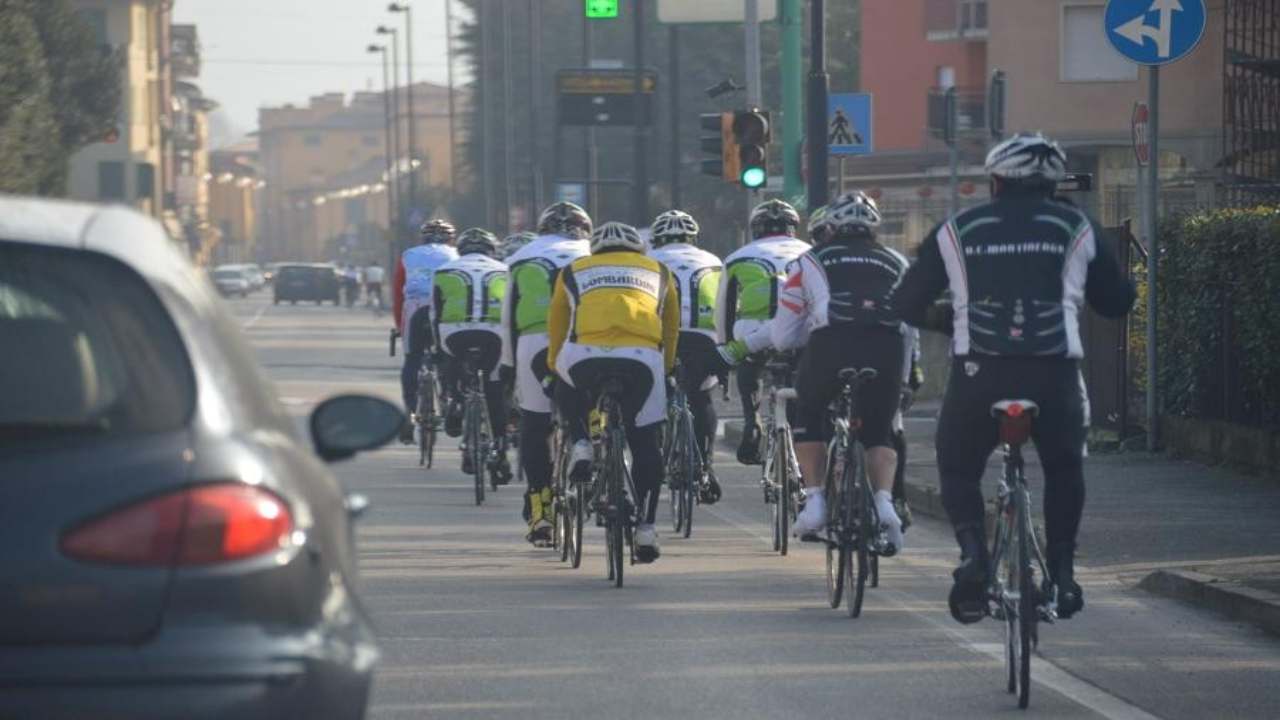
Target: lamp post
[(453, 141), (396, 147), (403, 7), (386, 111)]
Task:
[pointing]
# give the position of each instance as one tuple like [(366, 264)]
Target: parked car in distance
[(175, 547), (313, 282), (256, 277), (232, 280)]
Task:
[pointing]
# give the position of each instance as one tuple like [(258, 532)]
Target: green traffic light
[(754, 177), (602, 8)]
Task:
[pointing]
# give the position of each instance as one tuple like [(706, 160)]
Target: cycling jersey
[(697, 278), (533, 271), (411, 286), (748, 292), (1019, 269), (841, 284), (468, 296)]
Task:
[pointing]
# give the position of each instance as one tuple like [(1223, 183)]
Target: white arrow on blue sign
[(1154, 32)]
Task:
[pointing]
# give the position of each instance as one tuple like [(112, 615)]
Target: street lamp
[(395, 114), (392, 225), (403, 7)]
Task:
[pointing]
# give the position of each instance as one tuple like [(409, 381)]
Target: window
[(1086, 55), (955, 19), (312, 140), (146, 180), (110, 180), (100, 356)]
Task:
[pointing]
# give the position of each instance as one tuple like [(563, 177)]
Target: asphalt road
[(473, 622)]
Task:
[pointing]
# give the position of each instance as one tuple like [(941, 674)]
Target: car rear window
[(88, 349), (227, 274), (294, 271)]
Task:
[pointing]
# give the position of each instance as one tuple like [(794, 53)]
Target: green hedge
[(1219, 331)]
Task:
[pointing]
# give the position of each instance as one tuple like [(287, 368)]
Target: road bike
[(780, 473), (425, 418), (477, 442), (687, 471), (612, 484), (568, 502), (853, 536), (1012, 593)]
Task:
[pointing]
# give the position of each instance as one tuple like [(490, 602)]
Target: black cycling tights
[(967, 435), (535, 448), (704, 418)]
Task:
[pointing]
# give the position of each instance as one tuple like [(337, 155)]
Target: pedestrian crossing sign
[(849, 124)]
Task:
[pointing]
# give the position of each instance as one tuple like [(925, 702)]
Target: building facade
[(235, 188)]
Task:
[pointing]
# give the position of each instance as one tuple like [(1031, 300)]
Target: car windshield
[(89, 349), (227, 275)]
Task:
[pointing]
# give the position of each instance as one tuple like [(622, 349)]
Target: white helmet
[(1028, 156), (616, 235), (512, 243), (674, 226), (852, 212)]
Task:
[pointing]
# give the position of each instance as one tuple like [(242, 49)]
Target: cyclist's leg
[(816, 385), (418, 331), (965, 438), (535, 431), (878, 400), (694, 346), (748, 391), (1060, 433)]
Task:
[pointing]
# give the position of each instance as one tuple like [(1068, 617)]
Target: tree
[(28, 130), (59, 91)]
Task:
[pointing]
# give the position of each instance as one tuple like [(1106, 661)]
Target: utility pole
[(386, 112), (792, 21), (453, 137), (819, 82), (535, 84), (1153, 253), (486, 93), (396, 147), (413, 131), (593, 204), (508, 131), (673, 109), (640, 188), (751, 42)]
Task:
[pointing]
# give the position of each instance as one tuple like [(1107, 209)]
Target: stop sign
[(1141, 141)]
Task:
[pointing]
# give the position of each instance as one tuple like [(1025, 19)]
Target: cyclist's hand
[(549, 385), (732, 352)]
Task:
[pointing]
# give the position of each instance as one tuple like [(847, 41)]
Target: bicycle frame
[(682, 459), (613, 483), (1013, 506)]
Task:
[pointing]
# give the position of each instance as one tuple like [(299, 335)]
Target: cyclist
[(674, 237), (912, 379), (617, 313), (747, 300), (564, 229), (466, 316), (374, 276), (512, 243), (1019, 270), (411, 295), (835, 304)]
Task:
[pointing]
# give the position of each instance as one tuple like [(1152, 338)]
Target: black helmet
[(774, 217), (477, 240), (437, 231), (566, 220)]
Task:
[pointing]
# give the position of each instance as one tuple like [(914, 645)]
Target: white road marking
[(254, 320)]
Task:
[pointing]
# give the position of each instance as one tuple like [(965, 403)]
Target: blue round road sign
[(1154, 32)]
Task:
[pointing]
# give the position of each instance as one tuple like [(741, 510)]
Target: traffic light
[(751, 135), (718, 144)]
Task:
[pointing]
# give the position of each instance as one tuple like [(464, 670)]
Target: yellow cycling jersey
[(614, 299)]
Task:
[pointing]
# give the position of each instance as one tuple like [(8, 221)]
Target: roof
[(113, 230)]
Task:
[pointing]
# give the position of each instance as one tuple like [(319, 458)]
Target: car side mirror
[(347, 424)]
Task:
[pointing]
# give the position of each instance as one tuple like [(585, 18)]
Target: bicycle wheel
[(1007, 549), (1027, 614), (473, 447), (424, 423), (577, 515), (860, 491), (782, 508), (692, 476), (675, 493), (837, 548)]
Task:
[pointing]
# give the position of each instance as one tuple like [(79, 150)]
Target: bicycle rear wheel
[(859, 556), (782, 484), (577, 516), (1027, 614), (692, 476), (837, 547), (426, 435), (473, 447)]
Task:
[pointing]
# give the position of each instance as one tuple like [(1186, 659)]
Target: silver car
[(171, 545)]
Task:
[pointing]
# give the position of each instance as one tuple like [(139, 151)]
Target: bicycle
[(476, 440), (426, 422), (612, 479), (686, 468), (1015, 553), (853, 538), (569, 510), (780, 473)]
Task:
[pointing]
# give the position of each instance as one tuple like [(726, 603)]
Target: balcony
[(947, 20)]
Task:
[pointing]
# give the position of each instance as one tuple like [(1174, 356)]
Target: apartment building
[(325, 170), (235, 188)]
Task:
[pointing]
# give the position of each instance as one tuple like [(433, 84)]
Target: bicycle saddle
[(1014, 408), (858, 375)]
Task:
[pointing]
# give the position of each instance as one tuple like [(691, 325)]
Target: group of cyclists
[(553, 314)]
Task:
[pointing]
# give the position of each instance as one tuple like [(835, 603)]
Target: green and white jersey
[(469, 293), (533, 271), (748, 295), (697, 273)]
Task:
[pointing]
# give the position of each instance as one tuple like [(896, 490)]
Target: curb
[(1236, 601)]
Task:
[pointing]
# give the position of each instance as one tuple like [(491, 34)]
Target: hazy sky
[(270, 52)]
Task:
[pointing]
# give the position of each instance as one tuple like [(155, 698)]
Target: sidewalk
[(1205, 535)]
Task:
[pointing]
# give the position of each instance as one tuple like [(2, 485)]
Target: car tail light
[(199, 526)]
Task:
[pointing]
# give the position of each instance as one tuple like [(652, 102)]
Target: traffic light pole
[(640, 192), (818, 85), (751, 25), (792, 22)]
